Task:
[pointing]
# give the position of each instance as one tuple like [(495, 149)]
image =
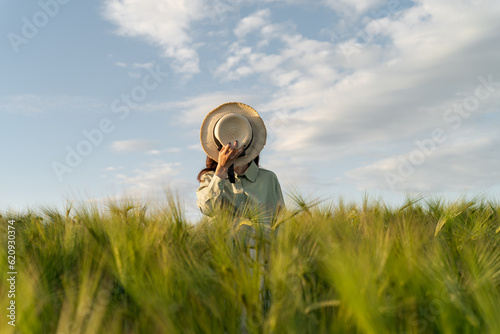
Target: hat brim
[(259, 133)]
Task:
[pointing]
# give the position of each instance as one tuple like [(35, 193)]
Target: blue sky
[(386, 97)]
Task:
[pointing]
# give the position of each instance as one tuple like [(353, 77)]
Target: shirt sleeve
[(275, 203), (211, 193), (280, 202), (279, 194)]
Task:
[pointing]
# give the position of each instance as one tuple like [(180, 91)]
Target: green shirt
[(257, 188)]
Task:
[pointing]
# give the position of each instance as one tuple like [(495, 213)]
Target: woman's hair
[(212, 166)]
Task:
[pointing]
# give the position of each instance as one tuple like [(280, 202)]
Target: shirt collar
[(252, 171)]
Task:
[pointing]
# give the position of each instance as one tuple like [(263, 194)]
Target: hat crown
[(253, 134), (233, 127)]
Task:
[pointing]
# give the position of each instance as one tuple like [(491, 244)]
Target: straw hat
[(229, 122)]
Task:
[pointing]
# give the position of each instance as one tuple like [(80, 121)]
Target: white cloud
[(152, 177), (193, 110), (153, 152), (167, 150), (252, 22), (358, 6), (196, 147), (143, 65), (112, 169), (467, 165), (164, 23), (173, 150), (131, 145)]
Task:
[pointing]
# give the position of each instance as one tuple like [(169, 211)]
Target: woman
[(232, 135)]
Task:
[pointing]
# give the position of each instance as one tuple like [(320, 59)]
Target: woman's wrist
[(221, 171)]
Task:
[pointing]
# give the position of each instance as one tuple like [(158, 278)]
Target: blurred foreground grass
[(428, 266)]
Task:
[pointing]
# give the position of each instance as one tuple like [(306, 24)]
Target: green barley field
[(426, 266)]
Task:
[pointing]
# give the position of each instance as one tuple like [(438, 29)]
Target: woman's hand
[(227, 155)]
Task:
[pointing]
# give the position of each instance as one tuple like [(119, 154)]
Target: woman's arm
[(281, 200), (211, 191), (227, 155)]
